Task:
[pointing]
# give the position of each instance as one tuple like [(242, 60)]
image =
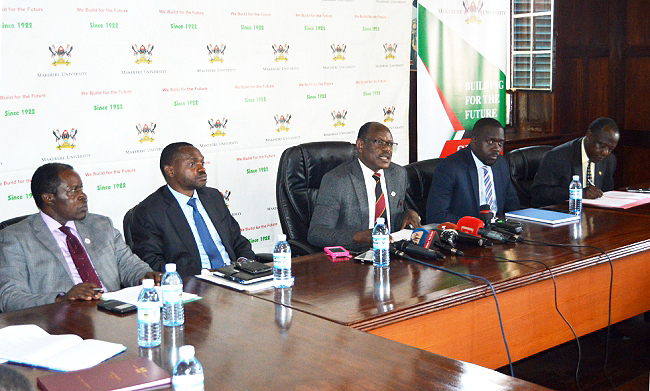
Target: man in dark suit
[(185, 222), (63, 252), (588, 157), (474, 176), (345, 210)]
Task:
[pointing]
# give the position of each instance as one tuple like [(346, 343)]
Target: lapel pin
[(392, 194), (600, 173), (87, 241)]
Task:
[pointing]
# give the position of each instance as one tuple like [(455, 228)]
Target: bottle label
[(575, 194), (149, 312), (172, 293), (282, 260), (380, 242), (188, 382)]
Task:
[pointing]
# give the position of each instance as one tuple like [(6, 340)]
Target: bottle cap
[(576, 178), (186, 352), (147, 283), (380, 220), (282, 237), (170, 267)]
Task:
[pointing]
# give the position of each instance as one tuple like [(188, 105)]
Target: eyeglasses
[(381, 143)]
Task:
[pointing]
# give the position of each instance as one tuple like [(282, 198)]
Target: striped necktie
[(489, 190), (380, 200)]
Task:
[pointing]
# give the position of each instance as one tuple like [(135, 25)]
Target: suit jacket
[(161, 233), (454, 189), (560, 164), (33, 270), (342, 204)]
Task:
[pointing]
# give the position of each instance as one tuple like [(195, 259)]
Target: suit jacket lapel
[(597, 174), (43, 234), (216, 217), (182, 227), (359, 186), (472, 172), (392, 188)]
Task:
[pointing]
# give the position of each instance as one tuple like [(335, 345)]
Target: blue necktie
[(216, 261), (489, 193)]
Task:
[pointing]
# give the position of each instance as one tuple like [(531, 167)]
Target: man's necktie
[(590, 180), (380, 200), (216, 261), (80, 257), (489, 190)]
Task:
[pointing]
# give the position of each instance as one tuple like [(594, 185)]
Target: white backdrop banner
[(105, 85)]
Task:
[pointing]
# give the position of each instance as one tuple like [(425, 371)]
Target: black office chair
[(12, 220), (300, 171), (524, 163), (418, 176), (126, 224)]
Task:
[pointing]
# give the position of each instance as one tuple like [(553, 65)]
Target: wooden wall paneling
[(638, 23), (637, 93), (569, 95), (596, 90), (631, 168)]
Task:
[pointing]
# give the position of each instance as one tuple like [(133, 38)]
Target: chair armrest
[(300, 248)]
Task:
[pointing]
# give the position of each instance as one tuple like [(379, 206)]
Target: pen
[(98, 290)]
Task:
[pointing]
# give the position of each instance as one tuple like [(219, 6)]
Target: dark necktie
[(80, 257), (216, 261), (380, 200), (590, 180)]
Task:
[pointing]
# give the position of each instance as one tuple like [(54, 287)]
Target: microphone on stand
[(473, 226), (425, 238), (449, 233), (412, 249)]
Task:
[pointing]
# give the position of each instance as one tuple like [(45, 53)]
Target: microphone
[(492, 222), (460, 237), (473, 226), (425, 238), (412, 249)]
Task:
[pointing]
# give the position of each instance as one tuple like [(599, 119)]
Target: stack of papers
[(619, 199), (130, 295), (254, 287)]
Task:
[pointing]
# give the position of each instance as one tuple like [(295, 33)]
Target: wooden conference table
[(246, 343), (451, 316)]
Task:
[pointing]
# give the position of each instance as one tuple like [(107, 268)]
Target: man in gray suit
[(63, 252), (345, 208)]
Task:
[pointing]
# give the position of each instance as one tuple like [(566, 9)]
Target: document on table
[(31, 345), (619, 199), (130, 295)]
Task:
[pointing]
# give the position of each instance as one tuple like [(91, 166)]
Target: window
[(532, 44)]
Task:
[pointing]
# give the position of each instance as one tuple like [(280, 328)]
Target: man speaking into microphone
[(472, 177)]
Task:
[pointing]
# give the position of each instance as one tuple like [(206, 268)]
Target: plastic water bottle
[(188, 373), (575, 196), (282, 263), (148, 316), (380, 242), (171, 285)]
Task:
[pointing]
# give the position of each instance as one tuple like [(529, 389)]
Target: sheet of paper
[(619, 199), (404, 234), (130, 295)]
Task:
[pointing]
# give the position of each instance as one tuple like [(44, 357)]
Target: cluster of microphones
[(482, 232)]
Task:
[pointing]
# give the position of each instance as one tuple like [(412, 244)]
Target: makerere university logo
[(218, 127), (338, 51), (339, 117), (146, 132), (473, 11), (142, 54), (281, 52), (389, 114), (282, 123), (65, 139), (216, 52), (61, 56), (390, 50)]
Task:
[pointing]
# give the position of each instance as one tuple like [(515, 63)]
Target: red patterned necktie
[(80, 257), (380, 200)]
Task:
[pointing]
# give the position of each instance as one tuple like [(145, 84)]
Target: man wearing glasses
[(474, 176), (353, 195)]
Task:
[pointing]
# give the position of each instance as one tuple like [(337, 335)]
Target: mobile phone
[(336, 252), (117, 306)]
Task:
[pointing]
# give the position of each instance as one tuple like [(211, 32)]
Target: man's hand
[(412, 218), (363, 236), (83, 291), (155, 276), (592, 192)]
